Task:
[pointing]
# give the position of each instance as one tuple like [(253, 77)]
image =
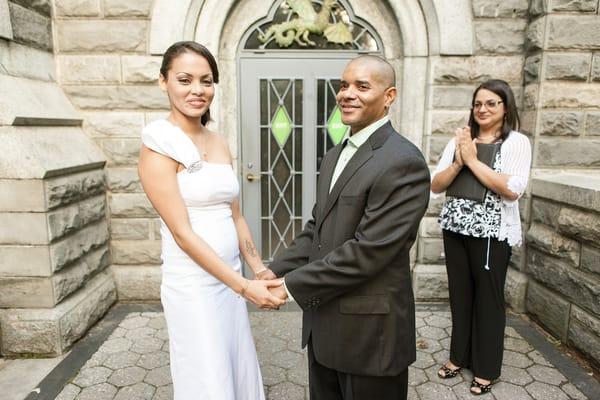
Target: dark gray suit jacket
[(349, 269)]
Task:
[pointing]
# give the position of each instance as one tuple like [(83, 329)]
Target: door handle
[(252, 177)]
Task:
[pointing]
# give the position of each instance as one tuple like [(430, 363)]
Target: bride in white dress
[(187, 174)]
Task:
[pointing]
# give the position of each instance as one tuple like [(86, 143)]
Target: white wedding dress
[(211, 348)]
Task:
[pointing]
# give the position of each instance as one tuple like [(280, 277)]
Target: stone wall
[(112, 80), (563, 259), (54, 282), (500, 36)]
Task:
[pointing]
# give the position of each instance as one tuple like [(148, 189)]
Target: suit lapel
[(325, 176), (362, 155)]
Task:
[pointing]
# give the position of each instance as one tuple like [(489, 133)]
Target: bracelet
[(243, 291), (261, 271)]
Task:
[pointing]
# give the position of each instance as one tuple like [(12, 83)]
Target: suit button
[(319, 247)]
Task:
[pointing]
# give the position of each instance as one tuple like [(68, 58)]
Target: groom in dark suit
[(349, 269)]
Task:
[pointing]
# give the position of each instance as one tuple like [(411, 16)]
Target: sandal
[(483, 388), (446, 373)]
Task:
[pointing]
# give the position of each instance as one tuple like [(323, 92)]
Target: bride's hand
[(257, 291)]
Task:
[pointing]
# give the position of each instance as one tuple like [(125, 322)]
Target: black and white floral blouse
[(516, 163), (471, 218)]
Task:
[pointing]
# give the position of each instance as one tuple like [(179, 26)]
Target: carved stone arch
[(345, 30), (429, 27), (423, 28)]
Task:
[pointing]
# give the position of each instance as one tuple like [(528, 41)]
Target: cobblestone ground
[(133, 363)]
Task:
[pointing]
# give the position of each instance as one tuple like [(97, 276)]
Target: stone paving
[(133, 363)]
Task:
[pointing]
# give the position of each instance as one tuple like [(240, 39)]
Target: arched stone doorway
[(414, 34)]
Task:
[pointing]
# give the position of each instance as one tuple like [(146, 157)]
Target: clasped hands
[(266, 291), (466, 151)]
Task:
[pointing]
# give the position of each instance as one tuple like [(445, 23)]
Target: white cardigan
[(515, 160)]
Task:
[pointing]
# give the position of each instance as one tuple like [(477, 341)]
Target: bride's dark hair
[(178, 48)]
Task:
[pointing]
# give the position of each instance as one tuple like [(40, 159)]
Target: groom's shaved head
[(382, 69)]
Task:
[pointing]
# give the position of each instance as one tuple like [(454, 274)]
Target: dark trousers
[(329, 384), (477, 302)]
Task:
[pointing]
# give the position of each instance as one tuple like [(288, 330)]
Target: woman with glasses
[(478, 235)]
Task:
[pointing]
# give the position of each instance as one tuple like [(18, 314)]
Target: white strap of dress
[(167, 139)]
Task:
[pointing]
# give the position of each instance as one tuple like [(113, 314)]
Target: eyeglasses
[(491, 105)]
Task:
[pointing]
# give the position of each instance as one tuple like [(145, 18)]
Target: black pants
[(477, 302), (329, 384)]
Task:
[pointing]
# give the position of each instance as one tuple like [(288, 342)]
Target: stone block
[(446, 122), (564, 95), (500, 9), (578, 189), (537, 7), (141, 69), (135, 252), (595, 73), (550, 242), (592, 124), (532, 68), (545, 212), (89, 69), (577, 286), (130, 228), (82, 36), (23, 228), (121, 152), (584, 332), (431, 251), (551, 309), (478, 69), (37, 292), (77, 8), (44, 260), (430, 228), (30, 27), (68, 219), (583, 225), (156, 226), (452, 97), (570, 5), (132, 8), (430, 282), (73, 247), (502, 36), (435, 206), (515, 290), (590, 258), (32, 102), (152, 116), (64, 190), (24, 195), (528, 122), (137, 282), (561, 123), (41, 6), (5, 24), (436, 147), (131, 205), (123, 180), (568, 66), (113, 124), (17, 60), (561, 34), (118, 97), (50, 332), (568, 153), (531, 97), (535, 35)]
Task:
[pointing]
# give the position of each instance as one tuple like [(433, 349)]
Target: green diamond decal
[(281, 126), (335, 127)]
